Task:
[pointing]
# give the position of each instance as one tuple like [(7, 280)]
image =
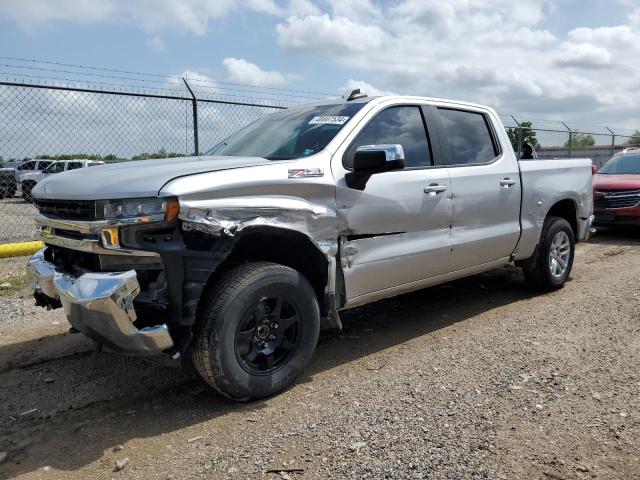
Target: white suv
[(31, 178), (31, 166)]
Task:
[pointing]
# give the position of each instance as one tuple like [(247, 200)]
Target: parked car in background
[(31, 166), (617, 190), (8, 183), (30, 179)]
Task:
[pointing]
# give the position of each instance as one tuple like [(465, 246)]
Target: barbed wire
[(157, 75)]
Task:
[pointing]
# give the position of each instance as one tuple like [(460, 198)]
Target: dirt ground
[(479, 378)]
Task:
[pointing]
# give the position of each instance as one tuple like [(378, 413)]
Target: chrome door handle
[(507, 182), (434, 189)]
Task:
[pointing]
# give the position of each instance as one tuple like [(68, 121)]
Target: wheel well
[(566, 209), (286, 247)]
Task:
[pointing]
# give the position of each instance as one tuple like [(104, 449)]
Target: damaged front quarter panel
[(231, 215), (234, 209)]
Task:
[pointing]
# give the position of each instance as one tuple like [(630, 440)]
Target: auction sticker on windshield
[(329, 119)]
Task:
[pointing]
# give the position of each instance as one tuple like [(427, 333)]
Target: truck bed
[(544, 182)]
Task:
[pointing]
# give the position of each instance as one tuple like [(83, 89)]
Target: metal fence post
[(519, 136), (613, 140), (194, 106), (570, 138)]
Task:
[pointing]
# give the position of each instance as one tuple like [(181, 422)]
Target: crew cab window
[(467, 137), (27, 166), (396, 125), (74, 165)]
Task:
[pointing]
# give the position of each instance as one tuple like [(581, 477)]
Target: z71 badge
[(306, 172)]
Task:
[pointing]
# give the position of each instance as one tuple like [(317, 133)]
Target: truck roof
[(383, 98)]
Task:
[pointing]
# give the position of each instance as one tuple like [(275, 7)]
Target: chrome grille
[(616, 198)]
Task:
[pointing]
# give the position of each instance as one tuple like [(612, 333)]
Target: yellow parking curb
[(21, 249)]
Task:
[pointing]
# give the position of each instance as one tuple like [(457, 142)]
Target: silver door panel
[(486, 212), (385, 261), (397, 233)]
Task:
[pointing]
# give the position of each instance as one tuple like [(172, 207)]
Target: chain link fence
[(52, 127), (45, 123), (557, 139)]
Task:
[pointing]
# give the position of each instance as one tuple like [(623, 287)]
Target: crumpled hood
[(142, 178)]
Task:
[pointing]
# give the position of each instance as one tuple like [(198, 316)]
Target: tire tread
[(536, 272), (219, 294)]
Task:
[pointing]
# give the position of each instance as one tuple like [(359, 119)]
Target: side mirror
[(594, 169), (370, 159)]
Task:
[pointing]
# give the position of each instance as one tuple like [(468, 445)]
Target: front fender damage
[(231, 217)]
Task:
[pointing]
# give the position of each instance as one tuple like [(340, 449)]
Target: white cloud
[(150, 15), (293, 7), (322, 33), (364, 87), (493, 51), (193, 16), (583, 55), (240, 71), (156, 43)]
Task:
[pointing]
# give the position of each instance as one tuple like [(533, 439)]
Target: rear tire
[(257, 329), (551, 265)]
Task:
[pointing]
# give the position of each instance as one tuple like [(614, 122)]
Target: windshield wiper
[(276, 157)]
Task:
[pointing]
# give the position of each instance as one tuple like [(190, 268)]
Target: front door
[(398, 224)]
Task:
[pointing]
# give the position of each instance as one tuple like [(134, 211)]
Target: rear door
[(398, 223), (485, 184)]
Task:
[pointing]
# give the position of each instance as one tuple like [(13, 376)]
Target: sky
[(575, 60)]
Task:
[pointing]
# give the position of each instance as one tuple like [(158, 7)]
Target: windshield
[(294, 133), (622, 165)]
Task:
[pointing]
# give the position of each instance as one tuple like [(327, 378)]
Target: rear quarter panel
[(545, 183)]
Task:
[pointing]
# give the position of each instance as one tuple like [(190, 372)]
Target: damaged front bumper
[(100, 305)]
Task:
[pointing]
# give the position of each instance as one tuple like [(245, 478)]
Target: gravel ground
[(13, 270), (18, 221), (479, 378)]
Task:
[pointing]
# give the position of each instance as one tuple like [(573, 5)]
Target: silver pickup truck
[(239, 257)]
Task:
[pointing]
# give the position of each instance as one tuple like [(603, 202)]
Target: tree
[(634, 141), (76, 156), (527, 135), (580, 140), (162, 153), (69, 156)]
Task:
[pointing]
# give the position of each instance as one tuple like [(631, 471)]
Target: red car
[(616, 188)]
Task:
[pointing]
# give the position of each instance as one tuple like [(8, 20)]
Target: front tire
[(551, 266), (256, 332)]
